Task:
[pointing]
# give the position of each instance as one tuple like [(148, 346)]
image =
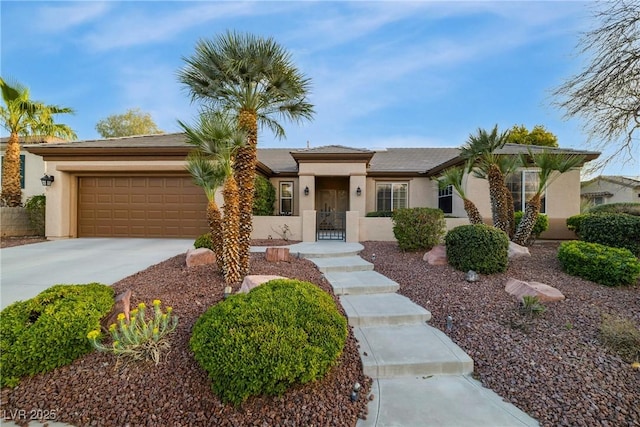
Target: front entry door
[(331, 214)]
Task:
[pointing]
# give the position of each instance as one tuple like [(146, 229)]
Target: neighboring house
[(31, 166), (611, 189), (138, 187)]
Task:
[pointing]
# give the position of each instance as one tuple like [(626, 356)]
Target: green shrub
[(628, 208), (418, 228), (478, 247), (50, 330), (139, 338), (283, 332), (574, 222), (541, 225), (264, 196), (599, 263), (203, 241), (380, 214), (622, 336), (610, 229), (35, 206)]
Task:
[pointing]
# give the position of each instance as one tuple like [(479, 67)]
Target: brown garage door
[(140, 206)]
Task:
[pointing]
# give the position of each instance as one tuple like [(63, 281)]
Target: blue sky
[(384, 74)]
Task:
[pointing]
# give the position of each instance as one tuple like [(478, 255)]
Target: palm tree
[(548, 163), (255, 79), (479, 152), (217, 138), (453, 177), (22, 116)]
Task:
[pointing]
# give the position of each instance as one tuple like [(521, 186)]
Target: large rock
[(251, 282), (275, 254), (200, 256), (517, 251), (436, 256), (122, 305), (545, 293)]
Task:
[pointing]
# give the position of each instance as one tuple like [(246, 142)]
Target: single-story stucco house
[(138, 187), (611, 189)]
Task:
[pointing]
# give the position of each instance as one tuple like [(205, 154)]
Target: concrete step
[(360, 282), (326, 249), (439, 400), (341, 264), (382, 309), (407, 350)]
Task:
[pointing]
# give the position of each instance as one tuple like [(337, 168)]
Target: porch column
[(353, 227), (357, 202), (306, 201), (309, 226)]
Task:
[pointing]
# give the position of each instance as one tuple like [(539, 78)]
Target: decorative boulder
[(517, 251), (436, 256), (545, 293), (471, 276), (274, 254), (122, 305), (251, 282), (200, 256)]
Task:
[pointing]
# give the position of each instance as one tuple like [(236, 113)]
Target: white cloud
[(57, 19)]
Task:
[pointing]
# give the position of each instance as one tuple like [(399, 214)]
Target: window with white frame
[(286, 198), (523, 185), (391, 196), (445, 199)]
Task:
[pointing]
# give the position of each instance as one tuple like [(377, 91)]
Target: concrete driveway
[(27, 270)]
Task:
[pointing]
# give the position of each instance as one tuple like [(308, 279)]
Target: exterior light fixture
[(355, 392), (449, 323), (358, 192), (227, 292), (306, 191), (373, 258), (46, 180)]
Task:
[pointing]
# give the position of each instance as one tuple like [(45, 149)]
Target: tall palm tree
[(254, 78), (217, 137), (453, 177), (479, 152), (22, 116), (550, 167)]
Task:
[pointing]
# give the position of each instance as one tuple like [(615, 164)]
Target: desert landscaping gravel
[(93, 392), (552, 366)]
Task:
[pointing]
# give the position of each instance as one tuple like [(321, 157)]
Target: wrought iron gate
[(331, 225)]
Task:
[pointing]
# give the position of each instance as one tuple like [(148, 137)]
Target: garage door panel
[(140, 206)]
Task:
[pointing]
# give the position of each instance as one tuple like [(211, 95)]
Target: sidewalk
[(420, 377)]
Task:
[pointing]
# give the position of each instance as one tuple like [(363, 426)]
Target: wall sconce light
[(358, 192), (306, 191), (46, 180)]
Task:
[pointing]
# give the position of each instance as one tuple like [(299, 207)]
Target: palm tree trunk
[(511, 215), (214, 219), (11, 191), (528, 220), (245, 171), (472, 212), (498, 200), (230, 230)]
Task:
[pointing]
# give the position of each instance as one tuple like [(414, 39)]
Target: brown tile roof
[(332, 149), (418, 160)]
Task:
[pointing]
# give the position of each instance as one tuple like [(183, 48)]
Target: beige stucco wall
[(273, 227), (381, 229), (34, 168)]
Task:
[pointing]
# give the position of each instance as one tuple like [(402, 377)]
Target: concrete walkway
[(420, 377)]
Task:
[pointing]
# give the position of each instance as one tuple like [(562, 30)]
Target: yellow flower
[(121, 316), (142, 306), (635, 365), (93, 334), (169, 309), (134, 312), (156, 302), (156, 331), (112, 327), (116, 344)]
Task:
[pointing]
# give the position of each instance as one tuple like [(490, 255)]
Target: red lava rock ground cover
[(552, 366), (92, 391)]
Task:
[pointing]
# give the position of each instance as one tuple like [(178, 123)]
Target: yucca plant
[(453, 176)]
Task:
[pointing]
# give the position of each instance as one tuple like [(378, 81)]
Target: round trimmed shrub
[(283, 332), (611, 229), (599, 263), (418, 228), (203, 241), (478, 247), (50, 330)]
